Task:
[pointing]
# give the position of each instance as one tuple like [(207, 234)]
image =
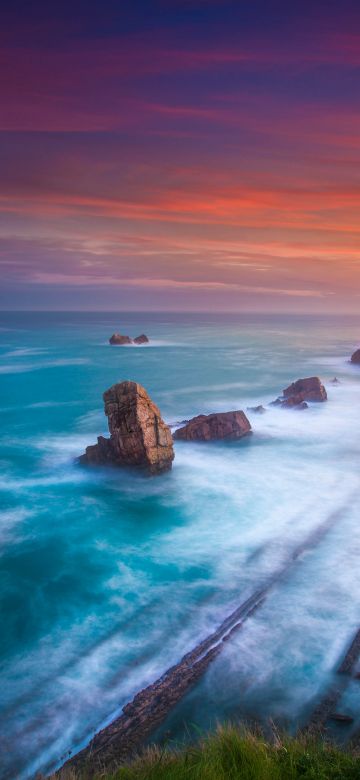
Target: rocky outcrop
[(298, 393), (257, 409), (355, 357), (335, 381), (120, 340), (208, 427), (309, 389), (138, 434), (142, 339)]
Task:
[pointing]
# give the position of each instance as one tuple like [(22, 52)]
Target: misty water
[(108, 577)]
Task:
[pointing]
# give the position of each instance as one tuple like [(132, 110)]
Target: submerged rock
[(120, 340), (222, 425), (355, 357), (341, 718), (257, 409), (139, 436), (142, 339), (335, 381)]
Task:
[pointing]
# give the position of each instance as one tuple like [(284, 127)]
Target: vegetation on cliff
[(232, 753)]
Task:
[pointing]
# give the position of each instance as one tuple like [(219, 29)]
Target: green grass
[(235, 754)]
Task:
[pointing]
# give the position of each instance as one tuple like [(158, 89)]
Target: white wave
[(9, 520), (8, 484), (23, 368), (26, 351)]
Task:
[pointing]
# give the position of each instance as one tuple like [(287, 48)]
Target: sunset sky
[(180, 154)]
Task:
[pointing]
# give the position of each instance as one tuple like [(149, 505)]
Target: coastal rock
[(335, 381), (142, 339), (207, 427), (120, 340), (309, 389), (355, 357), (298, 393), (257, 409), (138, 434)]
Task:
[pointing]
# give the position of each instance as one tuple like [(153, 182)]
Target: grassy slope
[(233, 754)]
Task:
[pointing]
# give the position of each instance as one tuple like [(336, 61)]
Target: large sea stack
[(207, 427), (138, 434)]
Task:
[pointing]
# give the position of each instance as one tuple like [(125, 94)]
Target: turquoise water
[(108, 577)]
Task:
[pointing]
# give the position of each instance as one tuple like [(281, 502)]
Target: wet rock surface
[(210, 427), (139, 436), (142, 339)]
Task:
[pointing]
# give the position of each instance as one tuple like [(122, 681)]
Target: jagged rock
[(139, 436), (257, 409), (309, 389), (223, 425), (355, 357), (335, 381), (141, 339), (120, 340)]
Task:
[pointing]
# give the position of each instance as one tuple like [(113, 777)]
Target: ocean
[(108, 577)]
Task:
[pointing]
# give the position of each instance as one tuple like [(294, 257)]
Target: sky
[(180, 154)]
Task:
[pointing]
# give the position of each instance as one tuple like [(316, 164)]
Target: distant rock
[(355, 357), (208, 427), (335, 381), (139, 436), (257, 409), (141, 339), (120, 340)]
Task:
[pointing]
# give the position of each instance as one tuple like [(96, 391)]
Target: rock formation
[(257, 409), (120, 340), (309, 389), (138, 435), (355, 357), (142, 339), (335, 381), (298, 393), (223, 425)]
